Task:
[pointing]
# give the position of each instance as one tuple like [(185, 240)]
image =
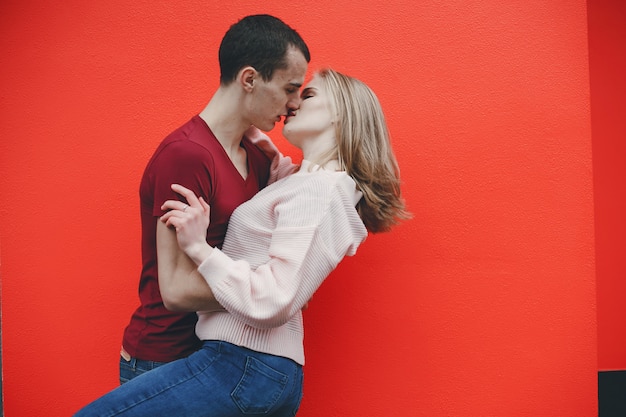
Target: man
[(262, 67)]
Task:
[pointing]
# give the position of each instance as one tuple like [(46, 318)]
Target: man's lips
[(289, 116)]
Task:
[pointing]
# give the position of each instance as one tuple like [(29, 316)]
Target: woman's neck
[(328, 165), (319, 148), (332, 165)]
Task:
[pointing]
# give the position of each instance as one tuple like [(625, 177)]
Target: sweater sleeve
[(314, 231)]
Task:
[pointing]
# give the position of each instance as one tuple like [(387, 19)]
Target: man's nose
[(294, 103)]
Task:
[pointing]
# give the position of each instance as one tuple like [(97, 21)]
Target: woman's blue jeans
[(221, 379)]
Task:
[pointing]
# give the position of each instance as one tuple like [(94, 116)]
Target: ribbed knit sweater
[(279, 248)]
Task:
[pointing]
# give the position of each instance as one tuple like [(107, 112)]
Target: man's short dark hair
[(260, 41)]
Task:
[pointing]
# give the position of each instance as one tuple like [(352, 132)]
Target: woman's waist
[(286, 340)]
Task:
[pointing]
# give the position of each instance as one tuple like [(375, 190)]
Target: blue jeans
[(135, 367), (219, 380)]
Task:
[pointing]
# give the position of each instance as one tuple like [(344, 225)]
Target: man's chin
[(267, 128)]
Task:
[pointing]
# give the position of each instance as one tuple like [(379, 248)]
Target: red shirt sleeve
[(185, 163)]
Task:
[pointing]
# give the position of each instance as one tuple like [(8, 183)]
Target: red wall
[(482, 305), (607, 64)]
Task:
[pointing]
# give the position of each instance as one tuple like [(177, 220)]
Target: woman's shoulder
[(326, 182)]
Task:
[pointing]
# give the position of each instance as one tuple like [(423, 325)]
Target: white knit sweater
[(279, 248)]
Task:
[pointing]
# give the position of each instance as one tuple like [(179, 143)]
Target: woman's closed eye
[(307, 93)]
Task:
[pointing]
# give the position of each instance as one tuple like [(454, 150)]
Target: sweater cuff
[(214, 269)]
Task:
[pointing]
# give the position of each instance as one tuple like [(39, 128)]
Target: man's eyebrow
[(297, 85)]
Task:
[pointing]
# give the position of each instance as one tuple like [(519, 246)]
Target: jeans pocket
[(259, 388), (127, 372)]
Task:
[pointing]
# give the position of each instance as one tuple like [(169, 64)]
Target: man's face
[(275, 98)]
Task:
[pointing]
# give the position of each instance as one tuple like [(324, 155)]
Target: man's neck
[(223, 116)]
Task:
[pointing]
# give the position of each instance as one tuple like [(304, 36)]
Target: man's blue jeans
[(219, 380), (135, 367)]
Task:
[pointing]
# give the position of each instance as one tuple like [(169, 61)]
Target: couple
[(280, 245)]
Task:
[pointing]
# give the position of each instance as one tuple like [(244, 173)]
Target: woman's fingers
[(192, 200), (169, 215), (194, 216), (205, 206), (188, 194), (175, 205)]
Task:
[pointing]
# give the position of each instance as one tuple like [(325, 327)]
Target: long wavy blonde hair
[(364, 150)]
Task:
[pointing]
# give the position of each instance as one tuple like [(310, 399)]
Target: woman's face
[(312, 123)]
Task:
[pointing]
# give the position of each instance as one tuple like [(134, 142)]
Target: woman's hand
[(190, 221)]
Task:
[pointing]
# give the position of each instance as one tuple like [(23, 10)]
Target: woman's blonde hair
[(364, 150)]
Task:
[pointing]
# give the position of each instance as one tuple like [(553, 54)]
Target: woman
[(279, 248)]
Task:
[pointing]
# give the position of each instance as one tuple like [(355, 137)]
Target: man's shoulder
[(189, 142)]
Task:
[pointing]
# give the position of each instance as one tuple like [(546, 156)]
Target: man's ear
[(247, 77)]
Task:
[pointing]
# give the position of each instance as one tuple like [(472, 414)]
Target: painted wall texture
[(482, 305)]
